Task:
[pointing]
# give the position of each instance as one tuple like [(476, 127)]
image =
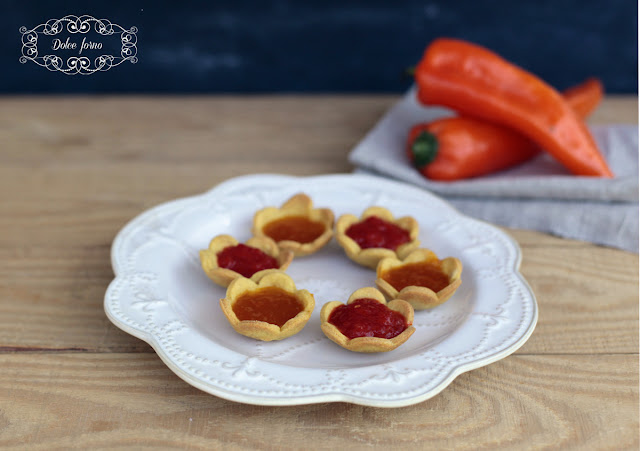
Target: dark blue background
[(328, 45)]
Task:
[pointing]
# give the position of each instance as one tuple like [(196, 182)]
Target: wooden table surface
[(73, 171)]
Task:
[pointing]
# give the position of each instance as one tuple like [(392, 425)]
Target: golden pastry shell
[(421, 298), (224, 276), (261, 330), (298, 205), (370, 257), (367, 344)]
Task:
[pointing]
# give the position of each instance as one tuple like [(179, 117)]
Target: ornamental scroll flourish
[(79, 64)]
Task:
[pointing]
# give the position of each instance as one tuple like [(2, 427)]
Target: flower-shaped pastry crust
[(447, 270), (262, 330), (368, 343), (298, 211), (371, 256), (224, 276)]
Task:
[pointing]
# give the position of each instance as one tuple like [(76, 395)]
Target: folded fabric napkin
[(539, 194)]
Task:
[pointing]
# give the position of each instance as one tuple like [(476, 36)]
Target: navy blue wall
[(327, 45)]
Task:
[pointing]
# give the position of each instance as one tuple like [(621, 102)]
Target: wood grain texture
[(133, 400), (73, 171)]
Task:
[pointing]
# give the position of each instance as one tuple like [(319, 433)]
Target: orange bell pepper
[(477, 82), (455, 148)]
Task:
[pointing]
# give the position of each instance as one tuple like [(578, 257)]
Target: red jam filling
[(367, 318), (245, 260), (421, 274), (269, 304), (376, 232), (294, 228)]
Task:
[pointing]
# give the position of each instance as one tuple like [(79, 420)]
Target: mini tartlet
[(444, 277), (224, 276), (296, 216), (370, 257), (262, 281), (367, 343)]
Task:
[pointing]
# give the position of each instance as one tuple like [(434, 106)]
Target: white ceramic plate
[(161, 296)]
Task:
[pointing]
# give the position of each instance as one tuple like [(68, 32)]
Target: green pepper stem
[(424, 149)]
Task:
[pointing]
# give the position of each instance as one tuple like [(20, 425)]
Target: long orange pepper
[(585, 97), (477, 82), (455, 148)]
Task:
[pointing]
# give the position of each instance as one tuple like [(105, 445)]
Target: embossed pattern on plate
[(161, 296)]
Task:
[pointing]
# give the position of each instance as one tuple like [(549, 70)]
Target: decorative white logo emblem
[(80, 63)]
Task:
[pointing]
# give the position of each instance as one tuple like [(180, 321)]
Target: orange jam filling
[(421, 274), (294, 228), (269, 304)]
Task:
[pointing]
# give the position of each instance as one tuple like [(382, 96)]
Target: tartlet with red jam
[(267, 307), (376, 235), (421, 278), (296, 226), (367, 323), (227, 259)]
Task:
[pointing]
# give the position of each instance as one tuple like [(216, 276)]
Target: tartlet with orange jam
[(376, 235), (367, 323), (226, 259), (296, 226), (421, 278), (267, 307)]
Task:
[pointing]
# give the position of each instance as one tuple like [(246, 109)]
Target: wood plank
[(56, 255), (38, 132), (132, 400), (172, 130), (587, 298), (76, 193), (616, 109)]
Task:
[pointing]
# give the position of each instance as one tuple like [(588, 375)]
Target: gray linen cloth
[(538, 195)]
